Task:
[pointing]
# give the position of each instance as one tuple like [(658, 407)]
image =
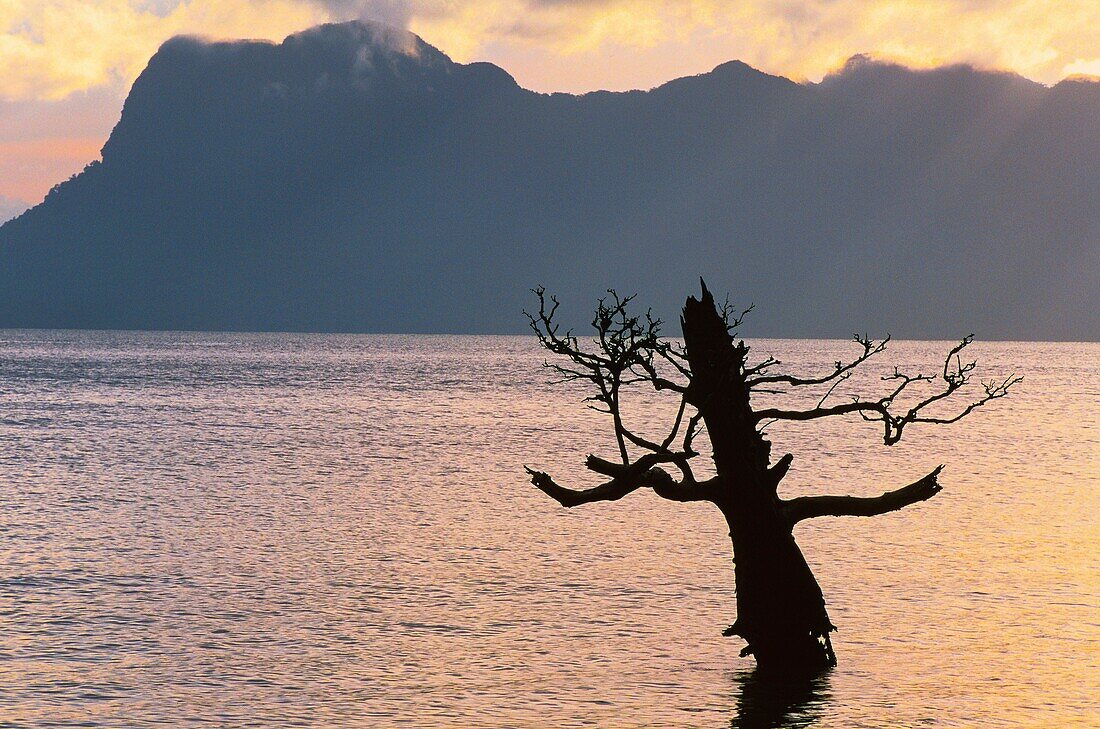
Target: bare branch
[(675, 424), (624, 352), (954, 376), (692, 429), (763, 426), (668, 488), (779, 470), (731, 320), (625, 480), (680, 460), (612, 490), (808, 507), (832, 387), (767, 364), (822, 412), (993, 390), (870, 349)]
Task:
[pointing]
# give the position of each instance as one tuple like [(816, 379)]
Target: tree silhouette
[(780, 608)]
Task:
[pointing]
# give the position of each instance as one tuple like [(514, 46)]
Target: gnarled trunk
[(780, 609)]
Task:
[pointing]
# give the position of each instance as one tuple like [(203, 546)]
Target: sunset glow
[(51, 49), (27, 166)]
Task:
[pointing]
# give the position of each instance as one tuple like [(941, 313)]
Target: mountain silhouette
[(354, 178)]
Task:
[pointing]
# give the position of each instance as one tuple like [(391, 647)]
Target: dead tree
[(780, 608)]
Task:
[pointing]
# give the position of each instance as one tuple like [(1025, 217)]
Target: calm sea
[(225, 530)]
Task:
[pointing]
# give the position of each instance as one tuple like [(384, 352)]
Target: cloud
[(1081, 67), (392, 12), (51, 48), (803, 39)]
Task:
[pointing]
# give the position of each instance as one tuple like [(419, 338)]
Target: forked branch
[(626, 480), (626, 350), (955, 374)]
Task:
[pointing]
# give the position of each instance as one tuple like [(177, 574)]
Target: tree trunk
[(780, 609)]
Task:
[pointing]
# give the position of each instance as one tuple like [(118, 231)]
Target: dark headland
[(354, 178)]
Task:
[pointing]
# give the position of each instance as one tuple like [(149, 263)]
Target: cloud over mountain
[(49, 49), (355, 178)]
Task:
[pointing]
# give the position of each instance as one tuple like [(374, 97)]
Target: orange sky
[(65, 66)]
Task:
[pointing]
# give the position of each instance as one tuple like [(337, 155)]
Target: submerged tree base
[(767, 700)]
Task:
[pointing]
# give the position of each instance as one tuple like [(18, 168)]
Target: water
[(336, 531)]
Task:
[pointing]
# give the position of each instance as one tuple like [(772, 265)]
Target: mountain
[(353, 178)]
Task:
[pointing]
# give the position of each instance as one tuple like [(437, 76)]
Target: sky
[(66, 65)]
